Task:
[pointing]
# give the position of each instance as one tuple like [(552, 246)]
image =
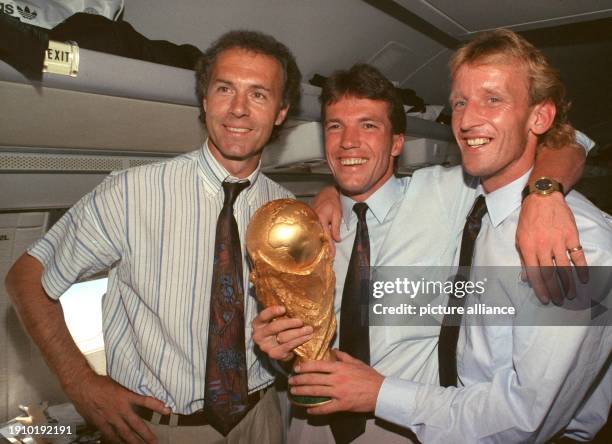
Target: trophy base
[(308, 401)]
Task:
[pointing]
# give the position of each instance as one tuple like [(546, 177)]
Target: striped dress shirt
[(154, 227)]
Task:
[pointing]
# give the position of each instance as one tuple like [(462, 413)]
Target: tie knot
[(360, 210), (232, 190), (479, 209)]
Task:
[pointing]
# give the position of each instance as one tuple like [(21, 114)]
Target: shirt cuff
[(584, 140), (395, 402)]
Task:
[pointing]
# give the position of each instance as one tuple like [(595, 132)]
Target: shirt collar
[(379, 203), (502, 202), (214, 174)]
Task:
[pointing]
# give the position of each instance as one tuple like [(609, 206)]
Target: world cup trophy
[(292, 266)]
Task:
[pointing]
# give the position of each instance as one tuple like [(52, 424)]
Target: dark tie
[(449, 332), (354, 320), (226, 390)]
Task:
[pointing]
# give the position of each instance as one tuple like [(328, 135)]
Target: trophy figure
[(292, 266)]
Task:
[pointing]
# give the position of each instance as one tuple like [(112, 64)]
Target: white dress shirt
[(154, 227), (517, 383)]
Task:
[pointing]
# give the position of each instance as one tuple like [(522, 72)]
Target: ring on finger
[(575, 249)]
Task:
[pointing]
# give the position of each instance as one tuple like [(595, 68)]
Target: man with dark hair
[(524, 381), (258, 43), (363, 135), (364, 81), (177, 310)]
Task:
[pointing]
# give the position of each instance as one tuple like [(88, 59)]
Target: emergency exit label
[(62, 58)]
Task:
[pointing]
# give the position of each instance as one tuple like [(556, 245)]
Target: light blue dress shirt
[(584, 140), (517, 383), (154, 226), (402, 217)]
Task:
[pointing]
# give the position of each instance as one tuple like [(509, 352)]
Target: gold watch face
[(543, 185)]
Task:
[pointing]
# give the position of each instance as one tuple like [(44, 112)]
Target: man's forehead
[(489, 76), (355, 105), (244, 62)]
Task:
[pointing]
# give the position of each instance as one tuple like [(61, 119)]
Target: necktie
[(449, 332), (226, 384), (354, 320)]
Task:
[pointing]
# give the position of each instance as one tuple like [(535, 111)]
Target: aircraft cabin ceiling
[(409, 40), (462, 19)]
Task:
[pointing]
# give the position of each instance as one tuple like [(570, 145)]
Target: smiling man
[(355, 131), (243, 103), (521, 382), (180, 357), (385, 221), (492, 134)]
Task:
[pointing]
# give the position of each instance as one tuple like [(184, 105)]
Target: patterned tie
[(449, 332), (226, 390), (354, 321)]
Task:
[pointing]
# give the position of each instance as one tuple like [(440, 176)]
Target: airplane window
[(82, 305)]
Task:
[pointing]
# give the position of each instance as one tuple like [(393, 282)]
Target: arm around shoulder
[(564, 164)]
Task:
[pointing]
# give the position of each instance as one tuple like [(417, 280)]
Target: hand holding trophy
[(292, 267)]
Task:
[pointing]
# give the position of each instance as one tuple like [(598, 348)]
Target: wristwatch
[(542, 186)]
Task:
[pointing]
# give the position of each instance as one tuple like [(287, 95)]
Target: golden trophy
[(292, 267)]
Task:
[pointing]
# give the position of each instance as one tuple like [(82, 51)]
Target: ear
[(398, 145), (204, 103), (282, 114), (542, 117)]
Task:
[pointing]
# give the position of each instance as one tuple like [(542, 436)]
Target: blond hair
[(544, 81)]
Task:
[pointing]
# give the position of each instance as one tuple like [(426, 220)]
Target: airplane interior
[(90, 112)]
